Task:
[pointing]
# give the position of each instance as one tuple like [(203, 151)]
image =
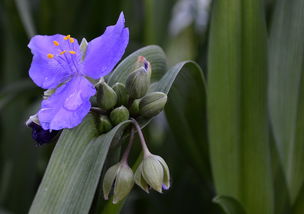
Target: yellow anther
[(72, 52), (67, 37), (56, 43), (62, 52), (50, 56), (71, 40)]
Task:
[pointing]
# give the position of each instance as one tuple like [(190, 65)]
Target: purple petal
[(44, 44), (50, 66), (105, 51), (68, 105), (40, 135)]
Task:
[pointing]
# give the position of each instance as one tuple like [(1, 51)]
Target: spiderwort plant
[(58, 63), (66, 70)]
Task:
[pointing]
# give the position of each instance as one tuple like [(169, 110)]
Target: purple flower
[(57, 64)]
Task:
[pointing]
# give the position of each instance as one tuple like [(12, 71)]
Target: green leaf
[(23, 8), (298, 207), (229, 205), (237, 107), (286, 82), (152, 53), (73, 172), (186, 110)]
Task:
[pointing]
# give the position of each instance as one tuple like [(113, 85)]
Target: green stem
[(125, 156), (98, 110), (142, 139)]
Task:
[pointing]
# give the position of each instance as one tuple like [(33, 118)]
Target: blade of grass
[(286, 48), (237, 107)]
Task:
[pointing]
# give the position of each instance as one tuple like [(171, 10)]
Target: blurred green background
[(179, 27), (251, 52)]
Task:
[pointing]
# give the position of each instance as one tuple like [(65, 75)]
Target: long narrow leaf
[(237, 107), (286, 48), (74, 169)]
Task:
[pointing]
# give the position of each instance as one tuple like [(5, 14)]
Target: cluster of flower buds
[(152, 172), (132, 99)]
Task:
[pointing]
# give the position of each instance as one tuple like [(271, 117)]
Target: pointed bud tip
[(106, 96)]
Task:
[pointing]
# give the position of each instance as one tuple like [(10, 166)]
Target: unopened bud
[(122, 94), (138, 83), (139, 179), (119, 115), (134, 108), (106, 96), (152, 104), (143, 62), (105, 124), (154, 172), (121, 177)]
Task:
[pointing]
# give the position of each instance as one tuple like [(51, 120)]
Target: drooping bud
[(122, 94), (119, 115), (152, 104), (139, 179), (106, 96), (154, 172), (134, 108), (138, 83), (121, 177), (40, 135), (105, 124)]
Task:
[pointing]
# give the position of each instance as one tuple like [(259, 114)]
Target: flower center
[(66, 56)]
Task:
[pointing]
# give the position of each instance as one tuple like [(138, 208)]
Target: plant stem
[(125, 156), (142, 139), (98, 110)]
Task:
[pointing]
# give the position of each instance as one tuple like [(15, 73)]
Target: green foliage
[(232, 134), (70, 181), (237, 105), (229, 205), (285, 90)]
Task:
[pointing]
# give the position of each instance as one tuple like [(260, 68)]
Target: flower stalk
[(125, 156), (141, 138)]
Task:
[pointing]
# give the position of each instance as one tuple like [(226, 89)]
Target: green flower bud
[(138, 83), (154, 172), (106, 96), (152, 104), (134, 108), (105, 124), (139, 179), (119, 115), (121, 177), (122, 94)]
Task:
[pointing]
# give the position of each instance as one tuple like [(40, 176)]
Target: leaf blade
[(74, 170)]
